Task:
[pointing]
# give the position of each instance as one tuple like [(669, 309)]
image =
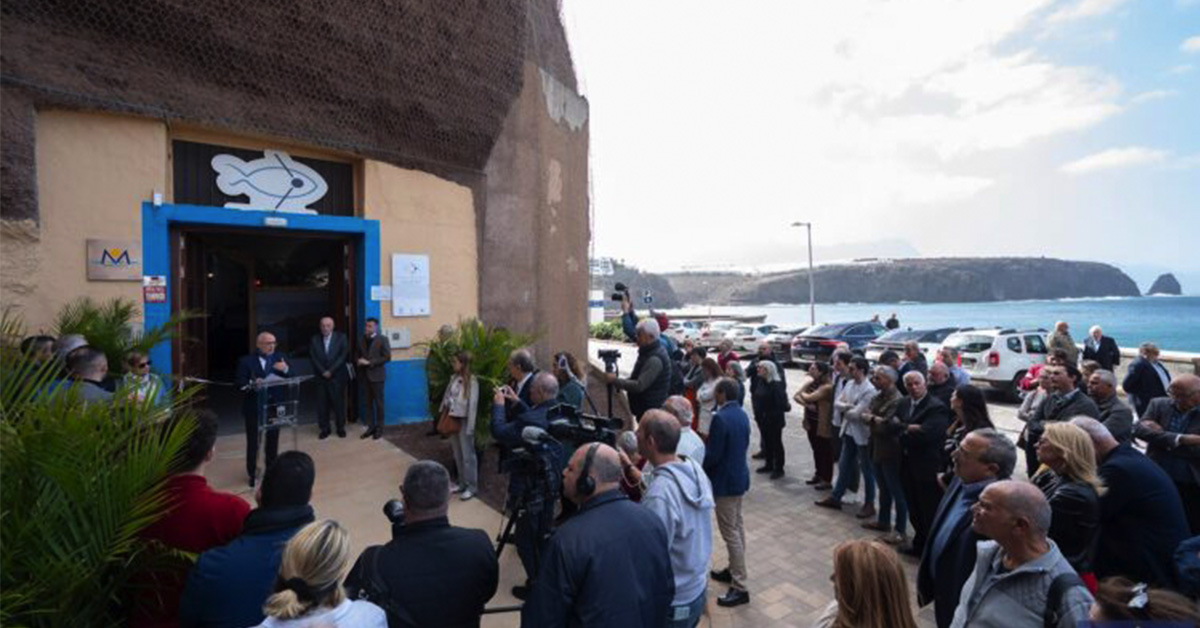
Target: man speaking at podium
[(253, 369)]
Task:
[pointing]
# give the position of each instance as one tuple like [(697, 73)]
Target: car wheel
[(1013, 389)]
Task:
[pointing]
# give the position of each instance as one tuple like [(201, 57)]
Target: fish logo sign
[(274, 183)]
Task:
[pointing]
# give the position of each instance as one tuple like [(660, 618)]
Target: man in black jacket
[(1101, 348), (1065, 402), (1147, 378), (925, 420), (431, 573), (984, 456), (649, 383), (328, 352), (253, 370), (607, 565), (1171, 430)]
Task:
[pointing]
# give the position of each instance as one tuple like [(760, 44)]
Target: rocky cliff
[(639, 282), (1165, 284), (936, 280)]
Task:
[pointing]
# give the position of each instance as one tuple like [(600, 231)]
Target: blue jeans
[(688, 614), (855, 459), (889, 491)]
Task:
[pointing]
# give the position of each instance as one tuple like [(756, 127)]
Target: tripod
[(529, 504)]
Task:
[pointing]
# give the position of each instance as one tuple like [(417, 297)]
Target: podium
[(278, 403)]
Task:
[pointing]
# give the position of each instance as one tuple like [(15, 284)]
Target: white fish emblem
[(276, 182)]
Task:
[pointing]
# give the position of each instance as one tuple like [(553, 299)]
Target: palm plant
[(490, 348), (78, 482), (111, 326)]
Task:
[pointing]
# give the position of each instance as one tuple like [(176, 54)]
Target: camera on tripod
[(576, 429)]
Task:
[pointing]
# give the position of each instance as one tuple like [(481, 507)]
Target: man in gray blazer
[(328, 352), (374, 353)]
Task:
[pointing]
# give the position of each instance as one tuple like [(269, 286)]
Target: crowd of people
[(1099, 530)]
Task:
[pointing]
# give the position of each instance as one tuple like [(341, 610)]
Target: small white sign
[(410, 285), (602, 267), (274, 183), (381, 293)]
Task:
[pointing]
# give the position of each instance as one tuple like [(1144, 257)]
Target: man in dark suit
[(1101, 348), (1141, 517), (521, 370), (374, 352), (252, 370), (983, 457), (1147, 378), (328, 352), (1065, 402), (925, 420), (729, 471), (1171, 429)]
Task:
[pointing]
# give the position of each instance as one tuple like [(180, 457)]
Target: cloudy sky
[(992, 127)]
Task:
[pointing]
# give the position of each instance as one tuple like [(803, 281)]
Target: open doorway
[(247, 281)]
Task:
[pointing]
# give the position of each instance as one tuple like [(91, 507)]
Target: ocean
[(1173, 323)]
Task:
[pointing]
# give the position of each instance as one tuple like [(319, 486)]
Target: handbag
[(448, 425)]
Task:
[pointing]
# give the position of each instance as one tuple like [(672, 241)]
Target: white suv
[(999, 357)]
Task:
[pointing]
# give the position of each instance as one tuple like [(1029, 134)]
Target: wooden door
[(189, 293)]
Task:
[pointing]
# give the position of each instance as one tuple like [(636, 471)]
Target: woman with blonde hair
[(870, 588), (309, 588), (1068, 478)]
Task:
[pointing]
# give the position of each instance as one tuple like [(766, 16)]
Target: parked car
[(684, 330), (930, 341), (747, 337), (999, 357), (713, 333), (781, 343), (816, 345)]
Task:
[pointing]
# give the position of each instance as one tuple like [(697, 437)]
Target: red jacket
[(198, 519)]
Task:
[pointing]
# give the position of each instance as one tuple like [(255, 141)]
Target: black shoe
[(378, 433), (722, 576), (759, 456), (734, 598), (763, 470), (776, 474), (909, 550), (813, 481), (341, 433), (323, 435), (520, 592), (367, 433)]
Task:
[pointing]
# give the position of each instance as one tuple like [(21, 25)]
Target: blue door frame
[(406, 399)]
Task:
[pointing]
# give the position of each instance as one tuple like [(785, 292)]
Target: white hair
[(914, 376), (1095, 429), (1106, 376), (1095, 329), (649, 326), (769, 367)]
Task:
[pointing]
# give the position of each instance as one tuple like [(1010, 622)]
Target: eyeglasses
[(143, 365)]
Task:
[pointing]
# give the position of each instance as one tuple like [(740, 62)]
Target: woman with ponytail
[(309, 591)]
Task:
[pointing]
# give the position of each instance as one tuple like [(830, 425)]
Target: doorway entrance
[(247, 281)]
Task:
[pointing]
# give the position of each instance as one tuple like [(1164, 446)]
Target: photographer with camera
[(533, 483), (431, 573), (629, 321), (649, 383)]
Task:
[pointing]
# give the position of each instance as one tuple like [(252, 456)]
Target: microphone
[(535, 435)]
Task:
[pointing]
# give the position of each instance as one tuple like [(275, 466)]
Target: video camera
[(569, 425), (622, 292)]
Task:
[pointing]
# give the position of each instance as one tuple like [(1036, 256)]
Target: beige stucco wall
[(420, 213), (93, 173)]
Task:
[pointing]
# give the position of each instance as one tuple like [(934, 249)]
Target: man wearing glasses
[(253, 369)]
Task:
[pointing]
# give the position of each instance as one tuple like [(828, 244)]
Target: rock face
[(1166, 284), (638, 282), (936, 280)]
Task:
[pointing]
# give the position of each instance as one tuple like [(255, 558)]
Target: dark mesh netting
[(418, 84)]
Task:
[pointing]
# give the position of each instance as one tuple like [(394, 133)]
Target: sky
[(929, 128)]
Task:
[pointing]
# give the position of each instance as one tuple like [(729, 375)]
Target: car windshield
[(900, 336), (747, 331), (826, 330), (970, 343)]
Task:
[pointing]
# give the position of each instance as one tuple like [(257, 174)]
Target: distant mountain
[(639, 282), (1166, 284), (934, 280)]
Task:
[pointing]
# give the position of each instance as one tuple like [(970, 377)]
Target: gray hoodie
[(682, 497)]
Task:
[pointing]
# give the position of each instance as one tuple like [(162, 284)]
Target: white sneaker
[(457, 489), (466, 494)]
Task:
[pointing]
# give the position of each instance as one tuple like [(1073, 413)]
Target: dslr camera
[(622, 292)]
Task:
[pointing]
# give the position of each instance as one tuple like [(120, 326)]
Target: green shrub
[(607, 330), (490, 348), (78, 482), (112, 327)]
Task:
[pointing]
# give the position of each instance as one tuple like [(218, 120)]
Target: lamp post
[(812, 301)]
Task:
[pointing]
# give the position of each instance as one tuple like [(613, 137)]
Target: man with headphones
[(607, 565)]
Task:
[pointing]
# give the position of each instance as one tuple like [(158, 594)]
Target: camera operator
[(629, 321), (533, 525), (431, 573), (649, 383)]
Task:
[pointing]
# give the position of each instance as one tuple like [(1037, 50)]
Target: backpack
[(1058, 589), (374, 589)]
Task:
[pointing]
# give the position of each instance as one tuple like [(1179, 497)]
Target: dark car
[(817, 344), (930, 340)]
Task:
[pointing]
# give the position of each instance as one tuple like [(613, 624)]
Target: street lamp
[(812, 301)]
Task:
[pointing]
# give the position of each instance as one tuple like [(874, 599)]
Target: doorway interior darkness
[(249, 281)]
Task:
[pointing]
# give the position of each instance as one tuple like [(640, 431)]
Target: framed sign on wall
[(410, 285), (114, 260)]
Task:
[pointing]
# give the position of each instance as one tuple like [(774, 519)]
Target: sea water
[(1173, 323)]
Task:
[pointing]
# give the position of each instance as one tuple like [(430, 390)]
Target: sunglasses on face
[(143, 365)]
